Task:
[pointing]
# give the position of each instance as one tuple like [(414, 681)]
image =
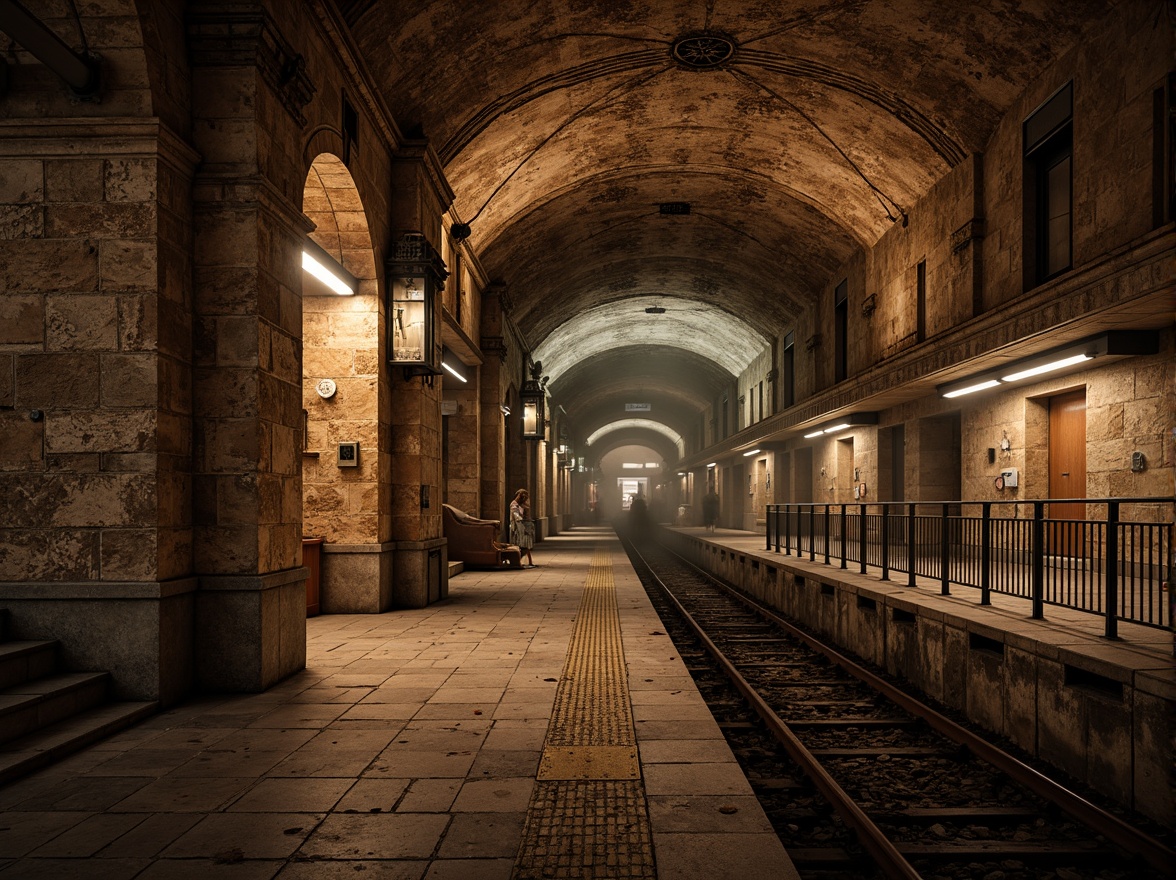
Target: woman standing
[(522, 530)]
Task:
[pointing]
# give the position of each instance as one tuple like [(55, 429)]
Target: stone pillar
[(95, 352), (251, 606), (419, 198), (493, 388)]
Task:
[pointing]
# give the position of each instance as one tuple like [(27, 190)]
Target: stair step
[(24, 660), (36, 704), (36, 750)]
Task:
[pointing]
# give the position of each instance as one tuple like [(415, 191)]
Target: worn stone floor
[(408, 748)]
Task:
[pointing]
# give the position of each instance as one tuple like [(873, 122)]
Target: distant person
[(710, 510), (522, 528)]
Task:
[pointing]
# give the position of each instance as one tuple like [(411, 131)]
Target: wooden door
[(1067, 469)]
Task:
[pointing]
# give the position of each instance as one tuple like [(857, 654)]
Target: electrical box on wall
[(348, 454), (1009, 475)]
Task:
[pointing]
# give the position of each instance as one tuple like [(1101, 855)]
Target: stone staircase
[(47, 713)]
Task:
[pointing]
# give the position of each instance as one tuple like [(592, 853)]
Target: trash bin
[(312, 558)]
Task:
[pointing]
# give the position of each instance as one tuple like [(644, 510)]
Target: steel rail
[(892, 863), (1151, 850)]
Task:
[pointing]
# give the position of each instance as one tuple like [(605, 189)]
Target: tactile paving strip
[(588, 816)]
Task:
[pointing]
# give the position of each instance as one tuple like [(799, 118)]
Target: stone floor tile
[(74, 869), (88, 836), (372, 796), (721, 857), (151, 836), (695, 779), (430, 795), (661, 712), (184, 794), (494, 796), (209, 869), (505, 763), (376, 836), (24, 832), (145, 762), (387, 712), (470, 869), (483, 835), (345, 869), (230, 763), (324, 762), (515, 710), (443, 736), (685, 751), (707, 814), (236, 836), (467, 695), (86, 793), (393, 693), (313, 715), (328, 695), (698, 729), (272, 795)]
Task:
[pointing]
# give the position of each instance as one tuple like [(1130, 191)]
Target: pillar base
[(250, 630), (139, 632), (422, 573), (356, 578)]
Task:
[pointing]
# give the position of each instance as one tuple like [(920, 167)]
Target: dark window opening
[(1049, 188), (841, 332), (350, 128), (789, 371), (921, 300)]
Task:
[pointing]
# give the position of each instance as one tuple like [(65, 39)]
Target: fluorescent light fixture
[(453, 364), (326, 269), (652, 464), (1112, 343), (712, 464), (969, 389), (853, 420), (681, 473), (632, 465), (1059, 364), (750, 452)]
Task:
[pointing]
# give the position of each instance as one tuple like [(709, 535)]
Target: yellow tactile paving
[(588, 816)]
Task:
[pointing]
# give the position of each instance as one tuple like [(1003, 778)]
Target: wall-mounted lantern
[(534, 411), (415, 272)]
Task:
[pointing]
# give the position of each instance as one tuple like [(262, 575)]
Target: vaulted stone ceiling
[(564, 124)]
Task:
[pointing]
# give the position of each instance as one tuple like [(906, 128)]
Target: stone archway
[(341, 496)]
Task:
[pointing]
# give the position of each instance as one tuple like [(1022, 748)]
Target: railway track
[(862, 780)]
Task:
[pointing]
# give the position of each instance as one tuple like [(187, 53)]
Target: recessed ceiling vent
[(703, 51), (654, 310), (674, 208)]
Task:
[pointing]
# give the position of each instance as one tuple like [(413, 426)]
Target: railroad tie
[(588, 816)]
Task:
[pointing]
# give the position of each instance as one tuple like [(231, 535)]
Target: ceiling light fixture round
[(703, 51)]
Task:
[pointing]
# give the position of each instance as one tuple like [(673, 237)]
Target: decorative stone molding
[(493, 346), (223, 38), (971, 231), (813, 342)]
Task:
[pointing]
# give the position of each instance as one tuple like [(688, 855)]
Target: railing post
[(986, 553), (778, 511), (1112, 625), (911, 545), (768, 529), (885, 540), (944, 555), (826, 534), (844, 524), (862, 538), (1038, 551), (812, 533)]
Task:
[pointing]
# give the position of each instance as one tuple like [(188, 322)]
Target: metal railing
[(1109, 563)]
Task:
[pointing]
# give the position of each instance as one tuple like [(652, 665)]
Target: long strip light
[(853, 420), (453, 371), (318, 263), (1060, 364), (750, 453), (1112, 343)]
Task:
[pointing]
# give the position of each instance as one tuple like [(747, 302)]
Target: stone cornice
[(1063, 310), (422, 152), (87, 136), (220, 36), (338, 35), (214, 191)]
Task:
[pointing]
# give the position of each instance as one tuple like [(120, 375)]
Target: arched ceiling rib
[(638, 424), (564, 124)]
